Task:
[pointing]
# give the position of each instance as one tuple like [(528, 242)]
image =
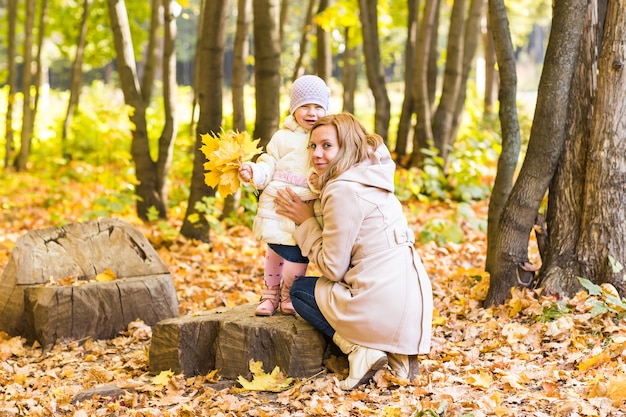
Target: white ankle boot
[(364, 362), (403, 366)]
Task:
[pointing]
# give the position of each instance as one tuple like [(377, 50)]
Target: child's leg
[(274, 265), (291, 272), (272, 276)]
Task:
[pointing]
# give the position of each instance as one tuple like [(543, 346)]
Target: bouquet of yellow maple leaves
[(225, 152)]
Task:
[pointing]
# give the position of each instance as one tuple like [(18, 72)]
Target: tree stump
[(33, 306), (228, 338)]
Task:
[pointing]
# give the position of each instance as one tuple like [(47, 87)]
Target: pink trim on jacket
[(290, 178)]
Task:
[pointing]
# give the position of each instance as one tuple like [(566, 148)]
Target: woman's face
[(324, 147)]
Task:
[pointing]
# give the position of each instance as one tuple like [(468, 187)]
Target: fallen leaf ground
[(533, 356)]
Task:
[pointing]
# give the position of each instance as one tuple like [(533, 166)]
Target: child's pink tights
[(277, 269)]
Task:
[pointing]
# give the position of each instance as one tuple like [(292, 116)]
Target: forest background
[(533, 354)]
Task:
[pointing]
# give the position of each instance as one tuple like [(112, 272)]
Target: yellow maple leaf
[(274, 382), (481, 380), (616, 390), (225, 152), (229, 182), (591, 362), (249, 148), (212, 178), (213, 376), (163, 378), (437, 319), (107, 275), (210, 143)]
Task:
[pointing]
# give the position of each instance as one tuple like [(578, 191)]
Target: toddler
[(285, 164)]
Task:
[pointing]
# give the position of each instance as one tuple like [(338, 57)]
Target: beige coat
[(374, 290), (284, 164)]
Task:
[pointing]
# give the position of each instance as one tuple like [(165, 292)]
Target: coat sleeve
[(265, 166), (330, 247)]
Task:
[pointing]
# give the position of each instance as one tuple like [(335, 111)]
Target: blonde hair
[(355, 143)]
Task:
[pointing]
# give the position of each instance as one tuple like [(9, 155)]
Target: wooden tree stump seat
[(228, 338), (33, 306)]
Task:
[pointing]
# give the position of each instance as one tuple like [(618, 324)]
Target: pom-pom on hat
[(309, 89)]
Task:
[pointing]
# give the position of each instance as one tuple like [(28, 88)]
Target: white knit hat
[(309, 89)]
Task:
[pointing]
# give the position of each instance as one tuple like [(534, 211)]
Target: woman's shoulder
[(341, 189)]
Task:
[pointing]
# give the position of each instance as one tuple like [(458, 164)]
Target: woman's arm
[(329, 248)]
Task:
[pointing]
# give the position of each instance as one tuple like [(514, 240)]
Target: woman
[(374, 298)]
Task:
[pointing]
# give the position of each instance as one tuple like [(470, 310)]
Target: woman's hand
[(292, 207)]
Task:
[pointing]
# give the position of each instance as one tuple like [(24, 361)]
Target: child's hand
[(245, 172)]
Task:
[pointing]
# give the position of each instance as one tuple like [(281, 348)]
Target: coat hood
[(377, 171), (291, 124)]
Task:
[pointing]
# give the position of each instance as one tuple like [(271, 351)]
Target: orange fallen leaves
[(480, 379), (73, 280), (11, 346), (512, 360)]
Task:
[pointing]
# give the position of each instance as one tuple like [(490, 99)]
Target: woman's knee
[(304, 285), (297, 289)]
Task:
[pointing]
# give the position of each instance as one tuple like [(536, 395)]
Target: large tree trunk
[(209, 92), (445, 113), (349, 71), (266, 69), (423, 132), (298, 68), (491, 72), (28, 114), (473, 29), (507, 162), (151, 175), (408, 103), (602, 244), (368, 15), (238, 81), (151, 61), (76, 77), (145, 167), (282, 19), (196, 69), (560, 266), (39, 69), (544, 149), (170, 128), (239, 65), (433, 58), (11, 81), (324, 53)]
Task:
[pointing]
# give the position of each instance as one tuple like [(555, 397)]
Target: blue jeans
[(303, 298)]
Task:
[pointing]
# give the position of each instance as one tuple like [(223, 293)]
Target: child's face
[(307, 114), (324, 147)]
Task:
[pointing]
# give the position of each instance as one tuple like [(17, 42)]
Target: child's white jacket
[(284, 164)]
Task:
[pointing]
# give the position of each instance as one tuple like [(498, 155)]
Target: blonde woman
[(374, 298)]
